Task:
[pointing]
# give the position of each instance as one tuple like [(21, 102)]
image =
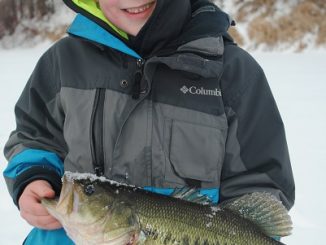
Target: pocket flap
[(196, 151)]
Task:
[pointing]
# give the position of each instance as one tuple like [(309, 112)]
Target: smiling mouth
[(139, 9)]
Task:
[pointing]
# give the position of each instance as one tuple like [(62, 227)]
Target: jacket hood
[(164, 25), (207, 21), (172, 24)]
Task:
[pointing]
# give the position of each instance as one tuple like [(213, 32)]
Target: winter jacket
[(196, 111)]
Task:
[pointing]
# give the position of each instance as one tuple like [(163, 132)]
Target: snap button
[(124, 83)]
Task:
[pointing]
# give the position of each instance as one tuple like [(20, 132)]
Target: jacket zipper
[(136, 90), (97, 148)]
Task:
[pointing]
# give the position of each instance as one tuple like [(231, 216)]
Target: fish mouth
[(51, 206), (50, 203), (60, 204)]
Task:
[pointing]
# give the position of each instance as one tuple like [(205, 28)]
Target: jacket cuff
[(36, 173)]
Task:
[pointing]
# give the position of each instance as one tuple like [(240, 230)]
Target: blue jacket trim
[(31, 157), (53, 237), (212, 193), (85, 28)]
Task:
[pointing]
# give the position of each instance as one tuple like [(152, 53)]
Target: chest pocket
[(195, 153)]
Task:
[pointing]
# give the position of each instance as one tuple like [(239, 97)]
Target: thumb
[(42, 188)]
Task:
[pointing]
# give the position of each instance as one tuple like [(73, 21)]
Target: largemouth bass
[(95, 210)]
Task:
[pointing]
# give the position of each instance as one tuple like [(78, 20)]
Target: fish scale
[(188, 223)]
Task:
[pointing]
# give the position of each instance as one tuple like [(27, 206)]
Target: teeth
[(139, 9)]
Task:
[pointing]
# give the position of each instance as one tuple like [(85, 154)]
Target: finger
[(43, 222), (42, 189), (30, 203), (36, 209)]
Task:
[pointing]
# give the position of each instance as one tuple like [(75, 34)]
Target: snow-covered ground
[(299, 86), (298, 82)]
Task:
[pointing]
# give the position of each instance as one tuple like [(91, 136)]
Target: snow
[(71, 176), (30, 32), (298, 83)]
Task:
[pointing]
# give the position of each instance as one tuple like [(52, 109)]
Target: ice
[(71, 176)]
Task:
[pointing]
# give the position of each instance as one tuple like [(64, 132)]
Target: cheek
[(109, 3), (108, 6), (111, 11)]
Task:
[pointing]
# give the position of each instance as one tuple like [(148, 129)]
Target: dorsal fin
[(265, 211), (191, 195)]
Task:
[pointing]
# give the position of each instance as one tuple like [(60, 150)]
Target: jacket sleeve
[(36, 148), (257, 157)]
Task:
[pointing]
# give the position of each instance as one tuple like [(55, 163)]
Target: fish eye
[(89, 189)]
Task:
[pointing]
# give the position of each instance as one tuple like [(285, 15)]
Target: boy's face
[(128, 15)]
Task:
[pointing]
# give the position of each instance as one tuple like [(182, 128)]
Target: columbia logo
[(200, 91), (184, 89)]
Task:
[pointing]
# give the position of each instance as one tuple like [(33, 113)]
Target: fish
[(95, 210)]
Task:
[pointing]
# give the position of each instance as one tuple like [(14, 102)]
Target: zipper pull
[(99, 171), (138, 77)]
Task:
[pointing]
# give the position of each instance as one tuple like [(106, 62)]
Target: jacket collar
[(164, 32), (165, 24), (207, 21), (85, 28), (91, 9)]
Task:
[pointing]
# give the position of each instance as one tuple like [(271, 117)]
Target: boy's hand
[(31, 208)]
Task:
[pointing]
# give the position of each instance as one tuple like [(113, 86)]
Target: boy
[(149, 93)]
